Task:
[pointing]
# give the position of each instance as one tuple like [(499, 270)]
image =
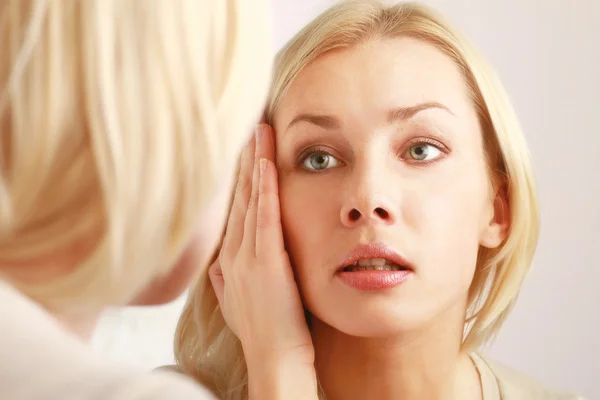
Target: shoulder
[(47, 362), (160, 385), (514, 385), (199, 376)]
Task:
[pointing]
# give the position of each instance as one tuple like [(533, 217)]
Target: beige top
[(498, 383), (40, 360), (502, 383)]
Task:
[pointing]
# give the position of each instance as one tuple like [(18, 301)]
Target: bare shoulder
[(516, 385)]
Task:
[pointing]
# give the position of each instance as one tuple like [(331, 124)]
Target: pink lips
[(374, 280)]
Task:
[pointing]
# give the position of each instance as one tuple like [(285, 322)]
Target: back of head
[(208, 350), (115, 126)]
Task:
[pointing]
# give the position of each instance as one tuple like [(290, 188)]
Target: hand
[(253, 278)]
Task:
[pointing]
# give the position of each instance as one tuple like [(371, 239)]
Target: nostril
[(382, 213), (354, 215)]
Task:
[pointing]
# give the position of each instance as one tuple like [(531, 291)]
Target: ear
[(496, 229)]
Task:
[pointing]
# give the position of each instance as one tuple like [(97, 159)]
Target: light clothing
[(502, 383), (498, 383), (40, 360)]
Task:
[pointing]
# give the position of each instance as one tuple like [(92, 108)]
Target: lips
[(375, 256), (374, 267)]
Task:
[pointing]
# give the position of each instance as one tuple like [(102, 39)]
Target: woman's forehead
[(383, 74)]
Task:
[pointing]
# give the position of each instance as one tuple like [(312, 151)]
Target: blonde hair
[(117, 118), (207, 349)]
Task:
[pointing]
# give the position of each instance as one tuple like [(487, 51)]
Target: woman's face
[(381, 156), (167, 288)]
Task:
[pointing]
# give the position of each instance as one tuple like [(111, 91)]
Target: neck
[(80, 323), (82, 326), (427, 364)]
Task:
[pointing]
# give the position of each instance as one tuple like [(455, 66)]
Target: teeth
[(386, 267), (374, 264), (372, 261)]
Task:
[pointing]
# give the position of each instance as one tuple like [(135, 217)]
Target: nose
[(371, 190), (369, 209)]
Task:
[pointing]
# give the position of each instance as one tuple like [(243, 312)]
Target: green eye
[(423, 152), (320, 161)]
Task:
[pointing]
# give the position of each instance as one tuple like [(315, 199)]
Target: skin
[(435, 210), (161, 290), (253, 274), (165, 289)]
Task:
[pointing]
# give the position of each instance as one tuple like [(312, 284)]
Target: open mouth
[(374, 267), (374, 264)]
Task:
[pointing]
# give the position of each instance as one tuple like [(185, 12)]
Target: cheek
[(167, 288), (309, 213), (209, 229), (448, 219)]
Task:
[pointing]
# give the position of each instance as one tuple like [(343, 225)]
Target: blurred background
[(548, 57)]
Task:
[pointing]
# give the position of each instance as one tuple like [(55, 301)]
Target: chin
[(370, 318)]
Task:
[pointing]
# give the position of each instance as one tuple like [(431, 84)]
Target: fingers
[(264, 149), (250, 222), (235, 224), (269, 235)]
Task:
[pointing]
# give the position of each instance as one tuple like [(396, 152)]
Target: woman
[(118, 120), (409, 215)]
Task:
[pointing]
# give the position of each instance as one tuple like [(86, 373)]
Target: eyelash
[(312, 151), (413, 142), (421, 141)]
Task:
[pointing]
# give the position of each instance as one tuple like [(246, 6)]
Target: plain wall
[(547, 53)]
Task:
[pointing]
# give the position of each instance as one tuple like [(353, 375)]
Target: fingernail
[(262, 165)]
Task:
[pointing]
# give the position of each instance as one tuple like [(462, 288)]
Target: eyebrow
[(404, 113), (394, 115)]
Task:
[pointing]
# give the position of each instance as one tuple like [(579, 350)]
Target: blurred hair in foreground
[(115, 121)]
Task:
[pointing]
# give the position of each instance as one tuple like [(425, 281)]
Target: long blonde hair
[(207, 349), (116, 119)]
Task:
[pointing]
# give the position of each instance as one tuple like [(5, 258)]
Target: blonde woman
[(120, 121), (399, 177)]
